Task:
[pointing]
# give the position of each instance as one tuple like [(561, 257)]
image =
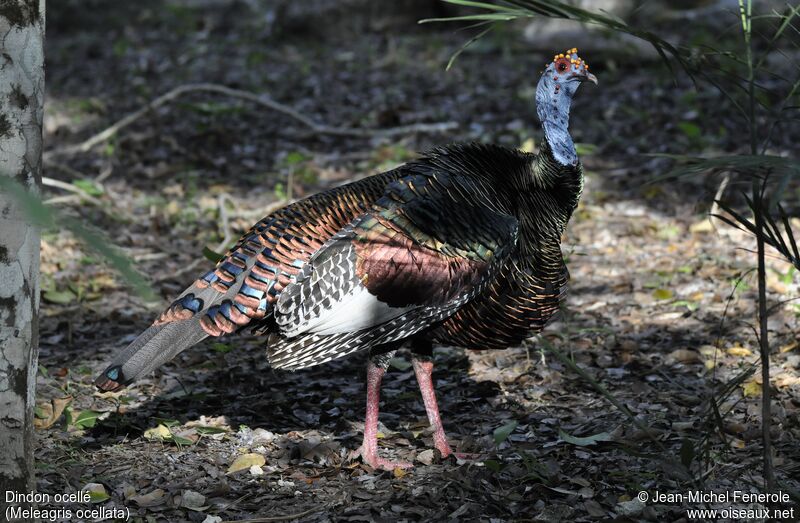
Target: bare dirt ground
[(657, 314)]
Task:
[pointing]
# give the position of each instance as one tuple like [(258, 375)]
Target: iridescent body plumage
[(460, 247)]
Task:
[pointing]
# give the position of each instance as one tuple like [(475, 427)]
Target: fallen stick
[(52, 182), (80, 194), (262, 100)]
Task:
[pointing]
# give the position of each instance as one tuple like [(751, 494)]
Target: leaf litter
[(217, 435)]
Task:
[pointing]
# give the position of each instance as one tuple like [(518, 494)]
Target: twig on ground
[(235, 502), (183, 270), (52, 182), (81, 194), (262, 100), (66, 169), (105, 173), (69, 200), (150, 256)]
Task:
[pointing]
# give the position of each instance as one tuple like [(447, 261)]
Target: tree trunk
[(21, 109)]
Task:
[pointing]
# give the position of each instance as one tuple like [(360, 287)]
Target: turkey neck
[(545, 202), (553, 106)]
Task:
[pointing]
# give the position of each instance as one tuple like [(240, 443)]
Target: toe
[(385, 464)]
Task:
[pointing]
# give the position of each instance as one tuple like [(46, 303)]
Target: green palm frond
[(777, 235), (754, 165), (506, 10)]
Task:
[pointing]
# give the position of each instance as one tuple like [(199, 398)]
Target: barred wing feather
[(413, 260)]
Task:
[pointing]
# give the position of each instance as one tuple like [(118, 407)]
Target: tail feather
[(154, 347)]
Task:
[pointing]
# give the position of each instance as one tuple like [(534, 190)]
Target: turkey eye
[(562, 66)]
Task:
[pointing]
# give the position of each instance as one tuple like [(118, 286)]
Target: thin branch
[(58, 184), (259, 99), (80, 194)]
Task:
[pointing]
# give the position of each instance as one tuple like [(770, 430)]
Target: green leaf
[(502, 433), (97, 492), (87, 419), (690, 129), (488, 17), (493, 465), (89, 187), (583, 441), (512, 9), (466, 45), (64, 297), (481, 5), (294, 158), (211, 255), (662, 294), (752, 165), (222, 348), (400, 364), (178, 440), (98, 497), (692, 306)]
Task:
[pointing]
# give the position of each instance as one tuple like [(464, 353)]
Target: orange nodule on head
[(570, 56), (570, 64)]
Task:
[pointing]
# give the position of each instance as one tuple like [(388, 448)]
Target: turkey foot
[(423, 368), (369, 448)]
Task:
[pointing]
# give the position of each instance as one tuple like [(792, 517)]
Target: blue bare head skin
[(559, 83)]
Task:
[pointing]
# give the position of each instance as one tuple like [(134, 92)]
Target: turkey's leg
[(369, 448), (423, 367)]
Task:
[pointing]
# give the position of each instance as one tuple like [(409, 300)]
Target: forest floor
[(660, 311)]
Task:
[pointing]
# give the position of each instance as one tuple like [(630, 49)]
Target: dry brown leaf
[(702, 226), (425, 457), (193, 500), (151, 499), (684, 356), (97, 492), (751, 389), (739, 351), (245, 461), (53, 410), (159, 432)]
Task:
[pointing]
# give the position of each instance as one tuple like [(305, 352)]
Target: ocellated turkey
[(460, 247)]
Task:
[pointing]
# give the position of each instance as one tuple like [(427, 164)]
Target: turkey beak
[(589, 77)]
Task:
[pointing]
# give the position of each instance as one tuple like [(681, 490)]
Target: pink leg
[(369, 449), (424, 369)]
